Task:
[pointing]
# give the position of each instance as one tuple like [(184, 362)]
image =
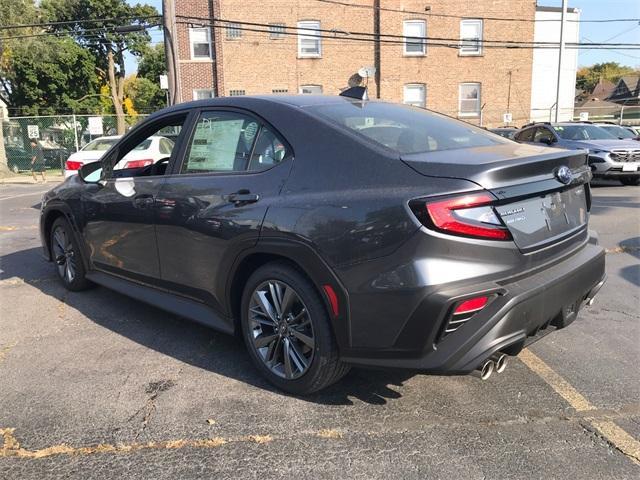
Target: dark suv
[(609, 156), (331, 231)]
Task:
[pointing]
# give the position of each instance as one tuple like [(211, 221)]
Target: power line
[(85, 33), (462, 17), (78, 21), (395, 39)]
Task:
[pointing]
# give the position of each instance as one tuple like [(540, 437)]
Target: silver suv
[(609, 157)]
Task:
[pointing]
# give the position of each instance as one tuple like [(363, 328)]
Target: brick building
[(450, 72)]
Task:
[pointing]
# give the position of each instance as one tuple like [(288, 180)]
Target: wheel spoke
[(307, 340), (287, 300), (264, 340), (288, 371), (272, 353), (275, 297), (297, 357), (71, 268), (298, 317), (60, 243), (260, 298)]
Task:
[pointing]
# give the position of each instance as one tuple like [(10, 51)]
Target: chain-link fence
[(57, 135)]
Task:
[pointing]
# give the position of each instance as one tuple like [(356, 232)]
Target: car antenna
[(359, 93)]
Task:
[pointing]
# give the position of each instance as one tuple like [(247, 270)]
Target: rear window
[(101, 144), (403, 128)]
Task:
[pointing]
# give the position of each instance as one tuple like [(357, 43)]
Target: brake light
[(138, 163), (471, 305), (469, 215), (72, 165)]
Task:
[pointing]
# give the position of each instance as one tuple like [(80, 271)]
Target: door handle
[(243, 197), (143, 201)]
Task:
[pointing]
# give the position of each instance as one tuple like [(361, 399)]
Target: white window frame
[(304, 28), (478, 101), (467, 44), (415, 87), (197, 90), (407, 38), (192, 43), (318, 89)]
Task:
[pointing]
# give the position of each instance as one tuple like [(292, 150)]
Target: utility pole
[(376, 45), (170, 49), (562, 22)]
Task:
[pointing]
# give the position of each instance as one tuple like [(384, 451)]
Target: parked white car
[(149, 151)]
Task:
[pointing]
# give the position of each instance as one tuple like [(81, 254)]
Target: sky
[(618, 32)]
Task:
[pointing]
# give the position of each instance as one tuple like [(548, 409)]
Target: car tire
[(630, 180), (66, 256), (270, 334)]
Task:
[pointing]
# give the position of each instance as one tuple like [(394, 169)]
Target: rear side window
[(404, 129), (232, 142)]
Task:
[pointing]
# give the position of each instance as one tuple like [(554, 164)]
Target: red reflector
[(442, 216), (138, 163), (333, 299), (71, 165), (471, 305)]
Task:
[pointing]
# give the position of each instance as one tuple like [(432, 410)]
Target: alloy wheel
[(281, 329), (64, 254)]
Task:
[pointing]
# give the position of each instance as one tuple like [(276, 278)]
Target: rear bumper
[(523, 310), (615, 174)]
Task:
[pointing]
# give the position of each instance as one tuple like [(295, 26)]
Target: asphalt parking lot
[(97, 385)]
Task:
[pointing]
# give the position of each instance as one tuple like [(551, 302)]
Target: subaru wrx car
[(331, 231), (609, 156)]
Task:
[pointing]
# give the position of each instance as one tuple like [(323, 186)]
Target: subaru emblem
[(564, 174)]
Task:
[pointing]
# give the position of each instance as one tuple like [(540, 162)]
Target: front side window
[(233, 31), (200, 43), (414, 94), (311, 89), (414, 32), (525, 135), (232, 142), (309, 44), (469, 100), (543, 135), (471, 37)]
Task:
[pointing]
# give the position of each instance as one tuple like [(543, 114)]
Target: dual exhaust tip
[(495, 363)]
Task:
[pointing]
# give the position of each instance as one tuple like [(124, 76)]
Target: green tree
[(145, 94), (152, 63), (103, 39), (588, 77)]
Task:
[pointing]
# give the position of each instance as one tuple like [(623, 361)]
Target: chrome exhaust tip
[(500, 360), (486, 369)]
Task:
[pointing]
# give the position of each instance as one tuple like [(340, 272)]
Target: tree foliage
[(588, 77)]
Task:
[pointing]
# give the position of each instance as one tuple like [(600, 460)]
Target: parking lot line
[(611, 432)]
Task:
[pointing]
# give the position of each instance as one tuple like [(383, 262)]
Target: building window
[(200, 40), (203, 94), (233, 31), (471, 37), (280, 90), (469, 100), (276, 30), (415, 94), (414, 32), (309, 45), (311, 89), (236, 93)]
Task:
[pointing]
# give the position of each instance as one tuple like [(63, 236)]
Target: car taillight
[(468, 215), (71, 165), (138, 163), (471, 305)]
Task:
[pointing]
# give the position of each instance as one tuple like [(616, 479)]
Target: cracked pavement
[(97, 385)]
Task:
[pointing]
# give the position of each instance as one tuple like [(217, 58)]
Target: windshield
[(403, 128), (583, 132), (101, 144), (618, 131)]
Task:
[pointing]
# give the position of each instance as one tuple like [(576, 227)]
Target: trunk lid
[(538, 209)]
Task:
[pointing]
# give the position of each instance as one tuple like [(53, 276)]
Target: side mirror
[(91, 172), (547, 141)]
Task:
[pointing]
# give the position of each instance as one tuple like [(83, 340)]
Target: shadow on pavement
[(631, 273), (183, 340)]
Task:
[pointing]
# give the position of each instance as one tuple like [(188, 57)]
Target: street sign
[(164, 82), (507, 117), (584, 116), (33, 131), (95, 125)]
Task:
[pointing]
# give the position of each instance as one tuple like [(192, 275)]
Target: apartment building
[(235, 47)]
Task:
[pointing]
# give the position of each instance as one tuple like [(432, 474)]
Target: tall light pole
[(562, 22)]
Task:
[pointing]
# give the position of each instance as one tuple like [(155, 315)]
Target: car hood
[(606, 145)]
